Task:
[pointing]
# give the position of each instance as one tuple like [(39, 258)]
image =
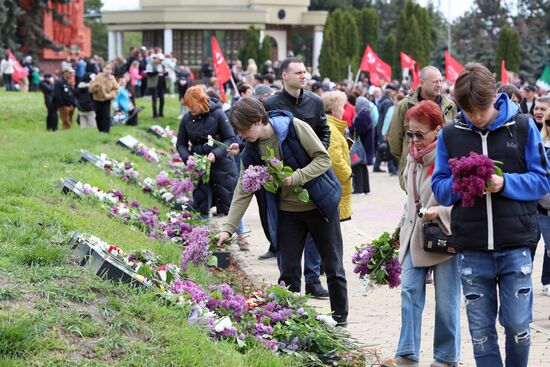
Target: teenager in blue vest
[(289, 220), (495, 235)]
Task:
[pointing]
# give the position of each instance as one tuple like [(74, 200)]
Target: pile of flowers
[(472, 176), (150, 154), (165, 133), (174, 228), (271, 177), (377, 263)]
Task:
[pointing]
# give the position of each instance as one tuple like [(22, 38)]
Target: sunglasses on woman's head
[(417, 134)]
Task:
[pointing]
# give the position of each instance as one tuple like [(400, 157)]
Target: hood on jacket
[(214, 104), (506, 111), (360, 104), (280, 120)]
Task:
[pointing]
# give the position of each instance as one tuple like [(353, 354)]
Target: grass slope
[(54, 313)]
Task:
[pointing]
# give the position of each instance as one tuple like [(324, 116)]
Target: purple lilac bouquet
[(196, 248), (378, 263), (472, 175), (278, 173), (255, 177)]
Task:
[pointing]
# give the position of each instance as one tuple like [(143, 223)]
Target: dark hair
[(246, 112), (511, 90), (243, 88), (289, 60), (475, 87), (427, 113), (269, 77)]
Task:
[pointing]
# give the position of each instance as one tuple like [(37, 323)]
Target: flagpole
[(235, 86), (356, 78)]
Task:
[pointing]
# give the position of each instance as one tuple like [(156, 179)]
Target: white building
[(184, 27)]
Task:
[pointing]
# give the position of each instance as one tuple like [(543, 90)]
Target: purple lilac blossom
[(149, 218), (254, 178), (188, 287), (163, 180), (196, 248), (393, 268), (182, 187), (471, 174)]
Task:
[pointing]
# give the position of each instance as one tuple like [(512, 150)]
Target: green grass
[(54, 313)]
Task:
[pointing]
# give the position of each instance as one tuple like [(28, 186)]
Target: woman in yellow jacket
[(338, 149), (104, 88)]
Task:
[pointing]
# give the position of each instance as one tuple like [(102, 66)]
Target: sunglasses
[(418, 134)]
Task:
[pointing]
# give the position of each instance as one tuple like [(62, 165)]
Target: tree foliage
[(340, 47), (389, 53), (507, 50), (332, 5), (251, 46), (367, 26)]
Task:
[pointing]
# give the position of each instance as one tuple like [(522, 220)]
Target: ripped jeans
[(481, 273)]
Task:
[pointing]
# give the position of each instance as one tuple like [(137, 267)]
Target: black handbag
[(435, 240)]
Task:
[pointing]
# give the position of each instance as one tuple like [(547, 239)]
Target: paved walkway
[(375, 319)]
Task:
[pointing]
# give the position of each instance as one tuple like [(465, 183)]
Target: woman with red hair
[(425, 122), (206, 118)]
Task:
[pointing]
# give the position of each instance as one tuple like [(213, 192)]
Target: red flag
[(18, 70), (375, 66), (407, 62), (504, 73), (452, 68), (223, 74)]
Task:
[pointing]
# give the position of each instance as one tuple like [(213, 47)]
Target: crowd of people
[(329, 133)]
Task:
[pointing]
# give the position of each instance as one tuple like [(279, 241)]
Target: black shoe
[(378, 170), (267, 255), (316, 290)]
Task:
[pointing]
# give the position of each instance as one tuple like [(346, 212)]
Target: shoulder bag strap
[(415, 193)]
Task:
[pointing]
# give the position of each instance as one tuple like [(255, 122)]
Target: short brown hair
[(475, 87), (246, 112), (196, 96)]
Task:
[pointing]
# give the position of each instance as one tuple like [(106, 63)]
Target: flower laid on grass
[(377, 263), (196, 247), (165, 133), (150, 154), (472, 176)]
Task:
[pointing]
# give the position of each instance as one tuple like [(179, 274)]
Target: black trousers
[(103, 115), (292, 233), (52, 118), (158, 94)]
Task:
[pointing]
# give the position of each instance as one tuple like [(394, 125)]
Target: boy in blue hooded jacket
[(495, 235)]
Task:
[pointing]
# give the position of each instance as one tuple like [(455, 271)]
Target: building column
[(119, 43), (262, 36), (280, 38), (168, 41), (317, 43), (111, 45)]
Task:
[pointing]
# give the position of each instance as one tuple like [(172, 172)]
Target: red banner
[(376, 67), (504, 73), (18, 70), (407, 62), (452, 68), (223, 74)]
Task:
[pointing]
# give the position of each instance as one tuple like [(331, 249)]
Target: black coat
[(48, 89), (307, 107), (64, 93), (85, 102), (192, 136)]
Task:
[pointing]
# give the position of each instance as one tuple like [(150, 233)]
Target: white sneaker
[(546, 290)]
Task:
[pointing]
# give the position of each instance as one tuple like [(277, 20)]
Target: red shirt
[(349, 113)]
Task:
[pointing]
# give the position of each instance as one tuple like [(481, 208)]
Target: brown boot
[(243, 243)]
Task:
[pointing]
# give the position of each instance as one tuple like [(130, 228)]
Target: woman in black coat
[(206, 117)]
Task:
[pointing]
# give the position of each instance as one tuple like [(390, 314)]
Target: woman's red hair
[(427, 113), (196, 96)]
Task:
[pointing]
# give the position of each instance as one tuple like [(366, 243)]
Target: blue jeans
[(481, 273), (544, 223), (447, 310), (312, 261), (241, 228)]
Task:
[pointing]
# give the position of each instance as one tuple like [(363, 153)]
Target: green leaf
[(498, 171), (303, 195), (212, 261), (146, 271)]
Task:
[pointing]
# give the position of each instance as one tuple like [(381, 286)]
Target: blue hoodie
[(528, 186)]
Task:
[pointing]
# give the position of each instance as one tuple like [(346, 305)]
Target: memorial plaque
[(128, 141), (154, 132), (70, 185), (90, 158)]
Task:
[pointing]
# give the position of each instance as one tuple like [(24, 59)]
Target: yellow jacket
[(338, 151), (103, 88)]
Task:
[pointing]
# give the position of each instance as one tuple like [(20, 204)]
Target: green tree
[(99, 30), (250, 48), (340, 46), (507, 50), (414, 35), (264, 53), (367, 26), (389, 53), (332, 5), (9, 13)]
